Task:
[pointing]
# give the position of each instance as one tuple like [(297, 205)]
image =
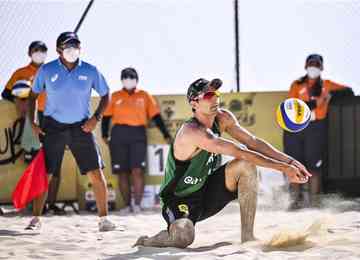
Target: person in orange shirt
[(130, 110), (37, 51), (308, 145), (17, 90)]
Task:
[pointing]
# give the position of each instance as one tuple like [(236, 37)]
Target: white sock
[(35, 219), (103, 218)]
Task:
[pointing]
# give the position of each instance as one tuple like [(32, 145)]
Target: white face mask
[(313, 72), (129, 83), (38, 57), (71, 54)]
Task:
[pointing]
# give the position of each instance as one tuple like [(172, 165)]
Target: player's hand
[(301, 167), (37, 130), (295, 175), (89, 125)]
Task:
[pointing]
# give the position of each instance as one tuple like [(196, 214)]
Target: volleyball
[(293, 115), (21, 89)]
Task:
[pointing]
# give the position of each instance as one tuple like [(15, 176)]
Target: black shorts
[(204, 203), (40, 115), (81, 144), (127, 148), (308, 146)]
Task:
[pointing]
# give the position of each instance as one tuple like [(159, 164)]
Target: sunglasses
[(209, 95)]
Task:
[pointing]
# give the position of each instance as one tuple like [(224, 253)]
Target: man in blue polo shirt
[(68, 82)]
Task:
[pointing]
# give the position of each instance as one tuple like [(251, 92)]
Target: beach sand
[(335, 234)]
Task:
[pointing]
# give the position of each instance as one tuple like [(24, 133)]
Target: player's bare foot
[(140, 241)]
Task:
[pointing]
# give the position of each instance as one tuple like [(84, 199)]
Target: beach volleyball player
[(195, 187)]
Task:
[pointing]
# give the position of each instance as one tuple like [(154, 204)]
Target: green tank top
[(185, 177)]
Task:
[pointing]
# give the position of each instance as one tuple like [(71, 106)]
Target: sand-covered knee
[(183, 232)]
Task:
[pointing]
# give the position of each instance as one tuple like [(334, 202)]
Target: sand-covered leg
[(247, 197), (181, 234)]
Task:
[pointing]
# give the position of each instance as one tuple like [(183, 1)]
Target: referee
[(68, 82)]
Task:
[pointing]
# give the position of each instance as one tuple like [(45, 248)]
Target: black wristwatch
[(97, 117)]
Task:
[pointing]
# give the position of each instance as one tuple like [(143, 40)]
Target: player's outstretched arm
[(233, 128), (205, 139)]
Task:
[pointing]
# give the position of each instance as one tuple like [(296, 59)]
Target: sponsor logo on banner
[(242, 108)]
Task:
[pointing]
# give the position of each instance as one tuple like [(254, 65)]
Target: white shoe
[(136, 209), (106, 225), (125, 211), (35, 224)]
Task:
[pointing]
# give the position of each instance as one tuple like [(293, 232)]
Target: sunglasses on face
[(209, 95)]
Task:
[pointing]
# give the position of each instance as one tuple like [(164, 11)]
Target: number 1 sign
[(157, 155)]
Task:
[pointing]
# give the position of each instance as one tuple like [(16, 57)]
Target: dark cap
[(37, 45), (67, 38), (200, 86), (129, 73), (314, 58)]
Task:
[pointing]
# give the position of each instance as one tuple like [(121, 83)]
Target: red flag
[(32, 183)]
